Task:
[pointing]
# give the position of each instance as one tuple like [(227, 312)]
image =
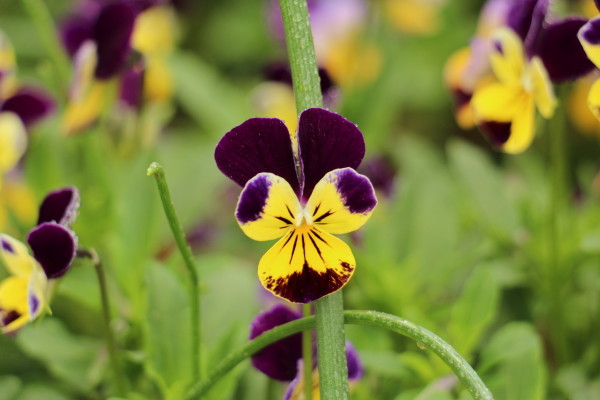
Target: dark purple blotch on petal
[(591, 34), (497, 133), (34, 304), (562, 53), (356, 191), (253, 199), (327, 141), (9, 317), (60, 206), (112, 34), (278, 360), (53, 247), (132, 83), (355, 368), (7, 246), (309, 284), (30, 105), (258, 145)]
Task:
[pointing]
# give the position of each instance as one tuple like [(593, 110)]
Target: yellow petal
[(19, 198), (522, 129), (306, 264), (13, 141), (542, 89), (15, 256), (158, 82), (594, 99), (14, 311), (268, 207), (155, 31), (455, 68), (81, 113), (341, 202), (509, 64), (580, 113), (497, 102)]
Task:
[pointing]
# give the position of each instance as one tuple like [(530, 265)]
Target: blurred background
[(461, 242)]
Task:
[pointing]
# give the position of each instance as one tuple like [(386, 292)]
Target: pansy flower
[(301, 200), (20, 107), (589, 36), (117, 43), (282, 360), (23, 294)]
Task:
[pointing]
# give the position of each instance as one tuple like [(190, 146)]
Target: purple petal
[(30, 105), (78, 28), (258, 145), (289, 392), (278, 360), (112, 34), (562, 53), (591, 33), (327, 141), (382, 173), (132, 87), (60, 206), (53, 247), (520, 16), (538, 18), (355, 368)]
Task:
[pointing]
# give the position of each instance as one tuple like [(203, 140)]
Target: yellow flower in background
[(23, 292), (16, 201), (580, 113), (506, 110), (13, 142), (416, 17)]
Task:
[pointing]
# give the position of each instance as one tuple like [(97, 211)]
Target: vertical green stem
[(331, 350), (157, 170), (48, 34), (557, 207), (111, 343), (301, 53), (307, 354)]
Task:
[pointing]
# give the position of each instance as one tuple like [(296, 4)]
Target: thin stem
[(331, 339), (47, 32), (163, 189), (427, 340), (111, 343), (301, 53), (307, 354)]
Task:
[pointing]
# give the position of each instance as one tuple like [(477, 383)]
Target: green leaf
[(38, 391), (512, 364), (68, 357), (474, 310), (167, 333), (213, 102), (484, 190), (10, 386)]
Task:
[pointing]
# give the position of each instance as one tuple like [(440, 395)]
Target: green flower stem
[(301, 53), (425, 339), (307, 91), (159, 173), (48, 34), (307, 354), (111, 343)]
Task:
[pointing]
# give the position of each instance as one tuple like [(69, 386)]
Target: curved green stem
[(165, 196), (111, 343), (465, 373)]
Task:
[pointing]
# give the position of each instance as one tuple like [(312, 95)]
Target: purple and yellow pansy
[(117, 47), (527, 54), (589, 36), (24, 293), (301, 200), (282, 360)]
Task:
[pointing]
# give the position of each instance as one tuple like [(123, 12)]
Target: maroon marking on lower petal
[(356, 191), (9, 317), (307, 285), (497, 133), (253, 199)]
